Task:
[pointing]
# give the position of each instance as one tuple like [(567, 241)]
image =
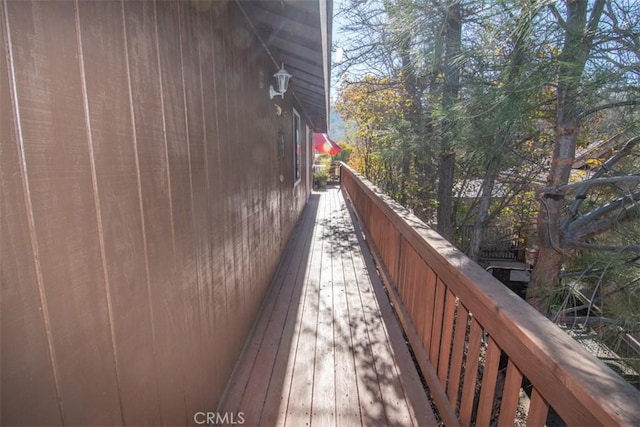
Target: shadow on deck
[(326, 348)]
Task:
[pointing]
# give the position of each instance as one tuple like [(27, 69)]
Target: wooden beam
[(296, 47), (298, 63), (280, 23)]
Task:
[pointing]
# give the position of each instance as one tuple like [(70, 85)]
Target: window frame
[(297, 148)]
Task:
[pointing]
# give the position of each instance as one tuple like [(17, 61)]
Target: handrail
[(482, 350)]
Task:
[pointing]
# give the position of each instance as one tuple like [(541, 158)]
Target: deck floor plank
[(395, 405), (347, 413), (253, 369), (276, 402), (326, 348), (300, 398), (323, 406)]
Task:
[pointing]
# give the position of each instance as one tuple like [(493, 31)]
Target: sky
[(336, 49)]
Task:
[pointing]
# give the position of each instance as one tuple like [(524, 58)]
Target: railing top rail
[(562, 370)]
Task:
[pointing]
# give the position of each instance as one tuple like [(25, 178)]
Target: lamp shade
[(323, 144), (282, 81), (282, 77)]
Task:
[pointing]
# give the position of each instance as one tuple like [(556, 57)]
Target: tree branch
[(562, 189), (581, 223), (606, 248), (594, 19), (582, 191), (597, 299), (556, 14), (593, 110)]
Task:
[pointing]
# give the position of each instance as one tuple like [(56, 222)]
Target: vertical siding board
[(242, 159), (113, 140), (261, 142), (250, 158), (208, 337), (244, 162), (220, 245), (56, 155), (173, 346), (195, 374), (27, 368), (214, 293), (147, 110), (223, 70), (259, 154)]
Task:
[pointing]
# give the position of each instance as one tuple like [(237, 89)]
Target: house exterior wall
[(142, 208)]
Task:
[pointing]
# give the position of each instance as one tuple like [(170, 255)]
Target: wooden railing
[(487, 356)]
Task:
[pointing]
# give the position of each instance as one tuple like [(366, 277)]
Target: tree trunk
[(577, 45), (451, 88), (483, 209), (445, 195)]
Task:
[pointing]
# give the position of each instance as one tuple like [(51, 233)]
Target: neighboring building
[(148, 188), (597, 152), (472, 188)]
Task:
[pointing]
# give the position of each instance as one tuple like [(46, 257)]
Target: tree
[(518, 93), (377, 107), (452, 40), (557, 234), (495, 92)]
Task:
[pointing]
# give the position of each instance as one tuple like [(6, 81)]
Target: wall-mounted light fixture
[(282, 78)]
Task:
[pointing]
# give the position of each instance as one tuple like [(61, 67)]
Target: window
[(297, 151)]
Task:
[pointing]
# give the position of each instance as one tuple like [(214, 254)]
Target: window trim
[(297, 149)]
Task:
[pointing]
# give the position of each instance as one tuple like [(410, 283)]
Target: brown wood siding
[(142, 214)]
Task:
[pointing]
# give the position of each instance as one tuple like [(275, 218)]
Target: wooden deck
[(327, 349)]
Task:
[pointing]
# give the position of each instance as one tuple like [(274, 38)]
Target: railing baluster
[(510, 395), (391, 247), (428, 306), (538, 410), (470, 372), (412, 296), (402, 267), (436, 329), (447, 337), (419, 304), (458, 352), (489, 380)]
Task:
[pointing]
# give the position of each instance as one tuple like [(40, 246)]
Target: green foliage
[(612, 276), (502, 123), (345, 154), (321, 174)]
